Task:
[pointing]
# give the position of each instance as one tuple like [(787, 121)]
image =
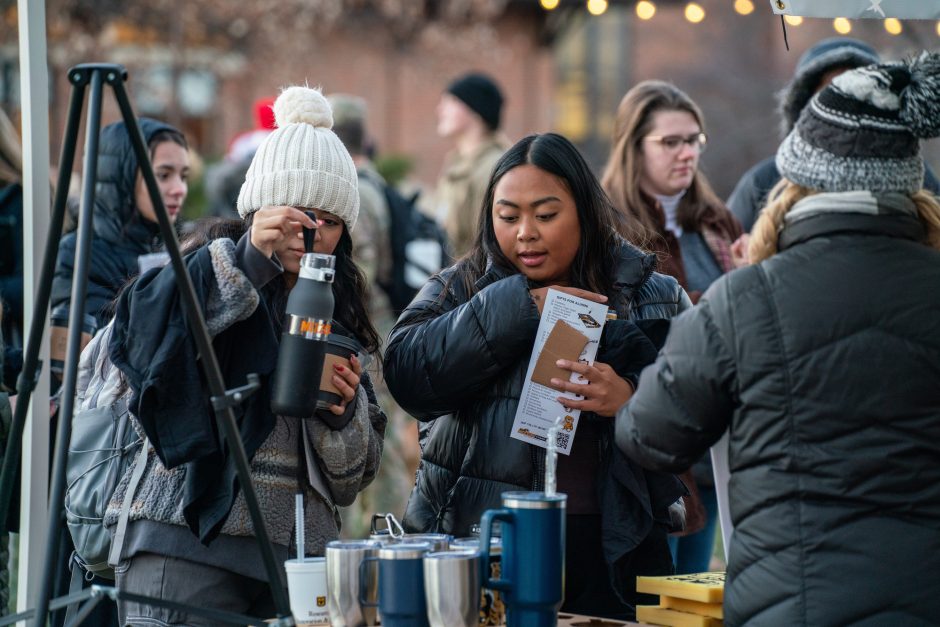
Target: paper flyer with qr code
[(570, 328)]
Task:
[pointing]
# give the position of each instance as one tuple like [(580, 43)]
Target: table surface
[(564, 620), (575, 620)]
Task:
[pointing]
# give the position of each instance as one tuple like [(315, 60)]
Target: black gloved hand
[(629, 346)]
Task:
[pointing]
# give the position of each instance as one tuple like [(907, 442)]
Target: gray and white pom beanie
[(302, 163), (863, 131)]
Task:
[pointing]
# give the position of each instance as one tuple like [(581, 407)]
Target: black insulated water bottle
[(306, 335)]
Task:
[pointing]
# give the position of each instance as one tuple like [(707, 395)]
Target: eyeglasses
[(673, 143)]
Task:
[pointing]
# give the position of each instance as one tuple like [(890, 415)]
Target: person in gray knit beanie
[(181, 529), (815, 69), (863, 131), (856, 150)]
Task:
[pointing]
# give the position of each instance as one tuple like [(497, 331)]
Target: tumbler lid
[(411, 538), (534, 500), (473, 544), (318, 267), (460, 554), (348, 545), (409, 551)]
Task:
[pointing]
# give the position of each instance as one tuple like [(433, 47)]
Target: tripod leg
[(209, 362), (76, 313), (26, 381)]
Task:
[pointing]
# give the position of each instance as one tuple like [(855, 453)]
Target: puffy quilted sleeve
[(440, 355), (685, 399)]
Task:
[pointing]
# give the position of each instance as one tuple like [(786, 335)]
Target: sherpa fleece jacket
[(346, 460)]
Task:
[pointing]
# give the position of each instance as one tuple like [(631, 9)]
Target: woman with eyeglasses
[(652, 177)]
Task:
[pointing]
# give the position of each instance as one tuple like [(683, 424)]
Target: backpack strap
[(117, 542), (76, 583)]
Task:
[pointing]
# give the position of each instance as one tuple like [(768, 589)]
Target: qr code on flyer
[(561, 440)]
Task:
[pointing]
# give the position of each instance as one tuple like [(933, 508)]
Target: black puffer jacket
[(824, 361), (121, 234), (462, 364)]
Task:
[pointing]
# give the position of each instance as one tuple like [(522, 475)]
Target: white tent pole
[(34, 105)]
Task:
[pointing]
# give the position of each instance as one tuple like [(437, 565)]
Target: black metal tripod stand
[(96, 76)]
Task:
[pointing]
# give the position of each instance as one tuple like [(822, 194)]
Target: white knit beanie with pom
[(302, 163)]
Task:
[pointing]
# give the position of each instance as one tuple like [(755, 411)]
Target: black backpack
[(419, 248)]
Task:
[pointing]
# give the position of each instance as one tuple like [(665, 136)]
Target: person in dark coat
[(126, 229), (457, 358), (815, 69), (823, 361), (125, 232)]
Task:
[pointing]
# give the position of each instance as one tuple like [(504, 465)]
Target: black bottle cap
[(310, 233)]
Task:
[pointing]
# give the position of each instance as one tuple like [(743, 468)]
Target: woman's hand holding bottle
[(273, 229), (604, 393), (346, 381)]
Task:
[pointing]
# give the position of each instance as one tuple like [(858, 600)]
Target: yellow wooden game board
[(714, 610), (657, 615), (701, 587)]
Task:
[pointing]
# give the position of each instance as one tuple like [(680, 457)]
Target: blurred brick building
[(561, 70)]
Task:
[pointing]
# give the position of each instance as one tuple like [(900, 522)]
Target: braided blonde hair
[(928, 210), (785, 194)]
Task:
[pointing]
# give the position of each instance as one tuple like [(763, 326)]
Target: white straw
[(551, 457), (299, 522)]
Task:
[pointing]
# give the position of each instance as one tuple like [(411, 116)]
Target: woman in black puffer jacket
[(125, 223), (457, 360), (823, 361)]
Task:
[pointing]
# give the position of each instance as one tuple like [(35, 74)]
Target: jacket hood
[(825, 56), (634, 266), (116, 216)]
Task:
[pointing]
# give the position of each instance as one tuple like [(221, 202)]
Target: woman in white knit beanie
[(189, 538)]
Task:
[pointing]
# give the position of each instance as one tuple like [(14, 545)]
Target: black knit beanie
[(482, 95)]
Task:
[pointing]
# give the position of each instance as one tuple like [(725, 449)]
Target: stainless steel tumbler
[(342, 583), (452, 588)]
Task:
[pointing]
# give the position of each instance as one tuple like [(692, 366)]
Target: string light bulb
[(549, 5), (793, 20), (893, 26), (645, 10), (694, 12), (842, 25), (744, 7), (596, 7)]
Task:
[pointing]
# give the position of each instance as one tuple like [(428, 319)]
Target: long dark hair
[(598, 221), (350, 292)]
